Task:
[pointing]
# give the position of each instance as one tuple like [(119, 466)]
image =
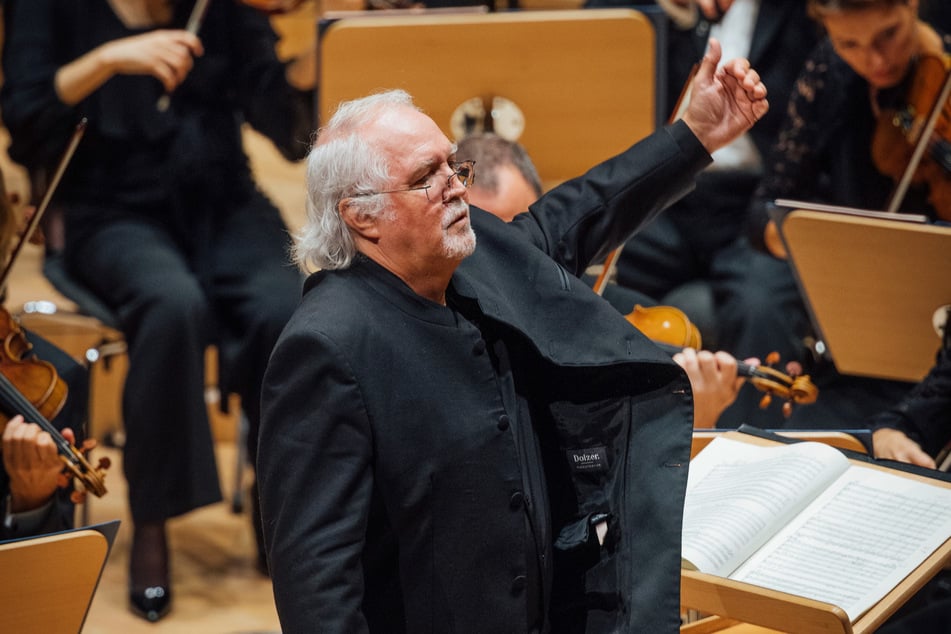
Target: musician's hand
[(32, 461), (724, 102), (685, 13), (713, 10), (167, 55), (895, 445), (714, 382)]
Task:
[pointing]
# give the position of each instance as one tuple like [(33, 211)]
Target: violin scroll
[(793, 388)]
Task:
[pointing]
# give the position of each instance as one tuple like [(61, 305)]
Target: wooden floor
[(216, 587)]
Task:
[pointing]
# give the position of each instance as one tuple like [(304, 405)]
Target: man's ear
[(362, 224)]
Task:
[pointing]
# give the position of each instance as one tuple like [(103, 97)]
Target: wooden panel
[(873, 287), (48, 582), (584, 80)]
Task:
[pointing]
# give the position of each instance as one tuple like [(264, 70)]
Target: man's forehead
[(405, 132)]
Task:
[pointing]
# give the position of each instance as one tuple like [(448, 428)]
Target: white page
[(739, 494), (856, 542)]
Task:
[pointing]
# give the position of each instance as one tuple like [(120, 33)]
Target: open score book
[(802, 519)]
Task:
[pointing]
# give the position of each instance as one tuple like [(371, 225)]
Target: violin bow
[(610, 262), (902, 188), (34, 221), (194, 23)]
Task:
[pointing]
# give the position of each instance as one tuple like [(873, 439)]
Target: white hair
[(342, 164)]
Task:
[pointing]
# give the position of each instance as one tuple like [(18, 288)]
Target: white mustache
[(454, 208)]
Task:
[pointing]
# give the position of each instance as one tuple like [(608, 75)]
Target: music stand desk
[(48, 582), (873, 287)]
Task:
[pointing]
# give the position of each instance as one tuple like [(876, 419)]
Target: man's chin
[(461, 245)]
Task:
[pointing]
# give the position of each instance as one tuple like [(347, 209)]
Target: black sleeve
[(924, 415), (273, 107)]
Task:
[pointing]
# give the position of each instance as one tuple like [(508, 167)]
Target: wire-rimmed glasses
[(462, 170)]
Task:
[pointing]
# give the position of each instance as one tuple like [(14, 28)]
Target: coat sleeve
[(582, 220), (315, 482)]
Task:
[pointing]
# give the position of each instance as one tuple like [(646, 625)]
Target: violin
[(912, 142), (32, 388), (672, 330)]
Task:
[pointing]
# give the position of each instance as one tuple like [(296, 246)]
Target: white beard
[(458, 245)]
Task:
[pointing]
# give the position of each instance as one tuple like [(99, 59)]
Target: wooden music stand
[(48, 582), (834, 438), (737, 602), (873, 287), (584, 80)]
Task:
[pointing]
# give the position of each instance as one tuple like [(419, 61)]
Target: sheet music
[(856, 542), (739, 495)]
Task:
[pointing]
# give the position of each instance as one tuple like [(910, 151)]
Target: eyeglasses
[(462, 170)]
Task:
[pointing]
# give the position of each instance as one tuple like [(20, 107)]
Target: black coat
[(390, 477)]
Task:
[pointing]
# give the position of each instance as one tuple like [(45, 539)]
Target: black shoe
[(152, 603), (150, 594)]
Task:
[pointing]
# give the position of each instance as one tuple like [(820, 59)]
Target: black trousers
[(173, 296)]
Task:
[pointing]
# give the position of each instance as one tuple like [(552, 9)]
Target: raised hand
[(724, 102)]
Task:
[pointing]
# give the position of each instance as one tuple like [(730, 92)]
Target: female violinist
[(823, 153), (163, 219)]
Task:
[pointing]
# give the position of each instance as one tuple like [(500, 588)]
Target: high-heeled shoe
[(151, 604), (150, 594)]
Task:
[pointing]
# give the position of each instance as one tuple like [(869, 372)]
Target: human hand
[(713, 10), (167, 55), (32, 461), (714, 382), (724, 102), (892, 444)]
